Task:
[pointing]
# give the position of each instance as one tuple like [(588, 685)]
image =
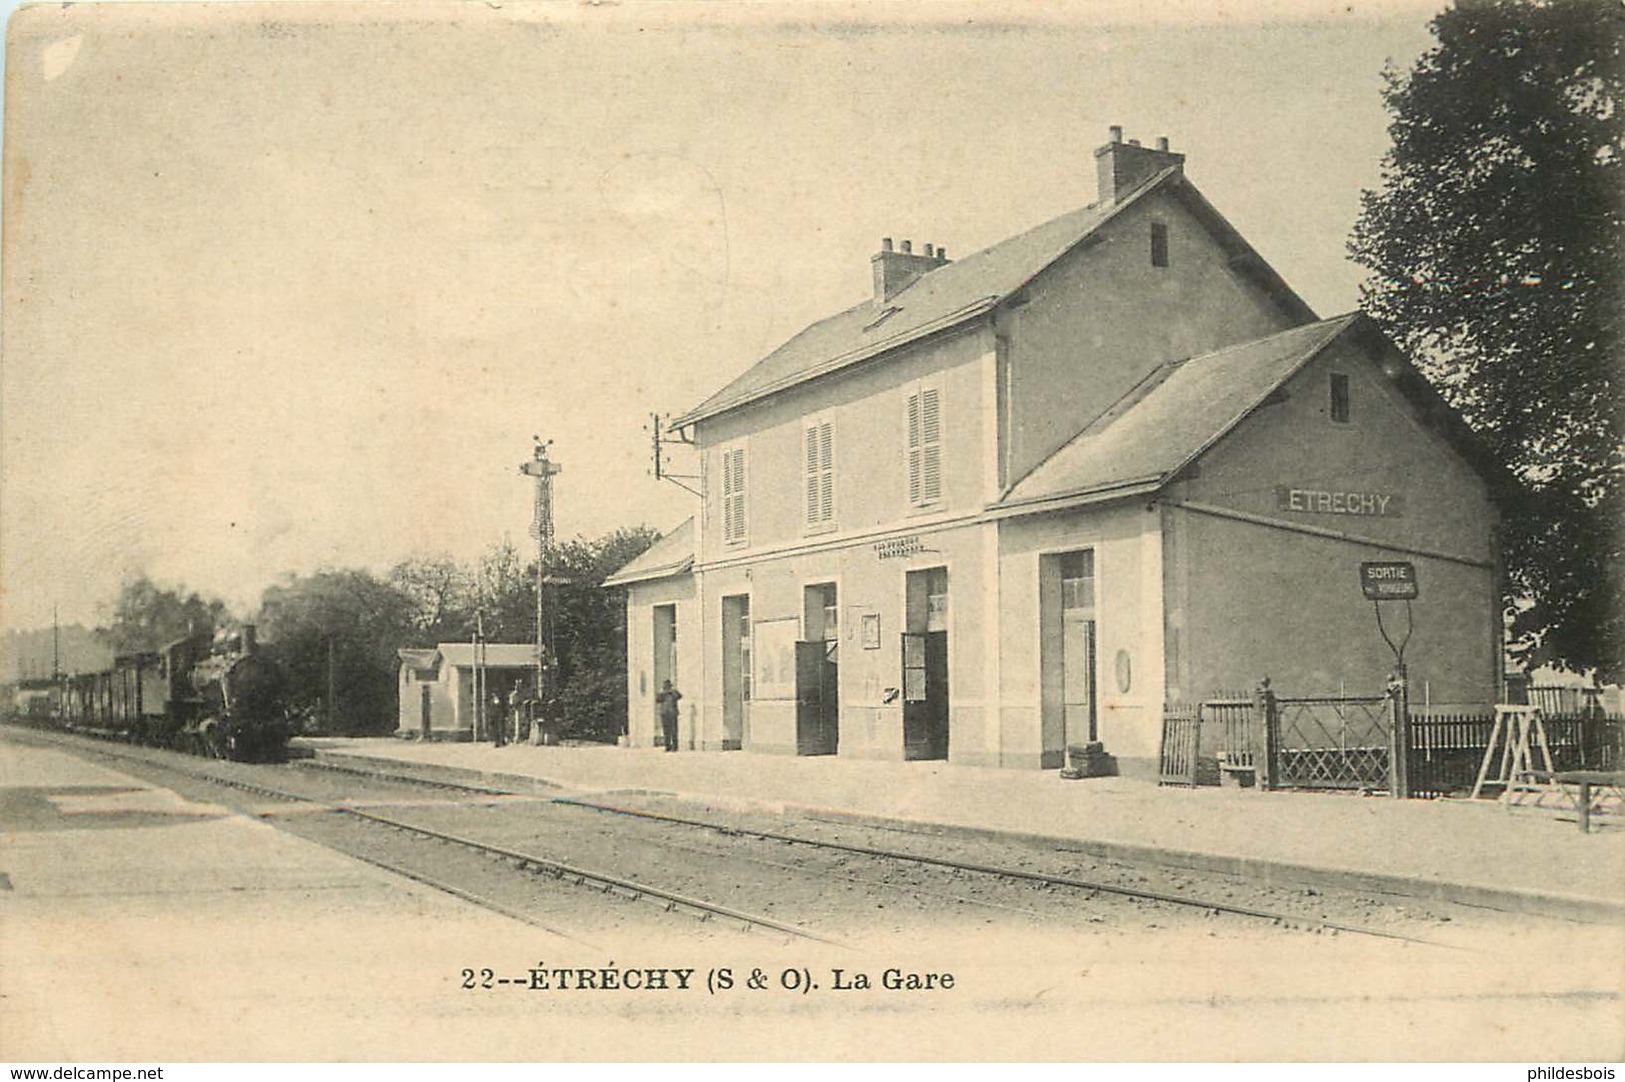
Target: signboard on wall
[(774, 658), (899, 546), (1392, 580), (1311, 500)]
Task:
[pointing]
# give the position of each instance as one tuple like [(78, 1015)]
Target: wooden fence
[(1447, 748), (1181, 745)]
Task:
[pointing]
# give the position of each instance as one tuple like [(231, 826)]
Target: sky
[(292, 286)]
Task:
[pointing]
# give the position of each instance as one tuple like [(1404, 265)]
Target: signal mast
[(543, 470)]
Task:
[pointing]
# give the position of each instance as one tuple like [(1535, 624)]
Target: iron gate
[(1331, 743)]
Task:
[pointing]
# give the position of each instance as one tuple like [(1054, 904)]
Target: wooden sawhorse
[(1589, 783), (1520, 732)]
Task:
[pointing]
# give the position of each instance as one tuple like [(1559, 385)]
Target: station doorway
[(925, 665), (818, 683), (664, 661), (736, 671), (1068, 648)]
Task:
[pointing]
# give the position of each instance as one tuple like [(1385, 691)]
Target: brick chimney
[(895, 271), (1122, 167)]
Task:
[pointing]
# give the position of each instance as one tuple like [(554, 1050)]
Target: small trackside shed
[(437, 686)]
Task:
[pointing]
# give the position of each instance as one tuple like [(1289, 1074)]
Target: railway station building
[(1024, 499)]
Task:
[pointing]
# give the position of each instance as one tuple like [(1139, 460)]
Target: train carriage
[(223, 699)]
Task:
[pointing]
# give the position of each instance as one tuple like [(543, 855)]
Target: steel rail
[(1006, 873), (489, 791), (1284, 919), (469, 896), (523, 861), (560, 870)]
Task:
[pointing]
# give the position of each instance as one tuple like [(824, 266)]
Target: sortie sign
[(1388, 581), (1331, 501)]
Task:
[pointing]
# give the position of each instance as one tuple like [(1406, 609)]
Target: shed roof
[(956, 292), (673, 554), (419, 658), (500, 655)]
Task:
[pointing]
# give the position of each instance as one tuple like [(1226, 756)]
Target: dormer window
[(1159, 244), (1340, 398)]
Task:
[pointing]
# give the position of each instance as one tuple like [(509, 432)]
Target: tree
[(442, 594), (340, 630), (505, 594), (590, 630), (1494, 247), (147, 616)]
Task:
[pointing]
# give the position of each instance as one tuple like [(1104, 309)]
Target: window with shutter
[(733, 495), (924, 447), (819, 475), (1340, 398)]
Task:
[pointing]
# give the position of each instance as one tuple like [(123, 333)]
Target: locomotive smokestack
[(250, 640)]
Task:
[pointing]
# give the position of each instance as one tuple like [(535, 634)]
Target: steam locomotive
[(223, 698)]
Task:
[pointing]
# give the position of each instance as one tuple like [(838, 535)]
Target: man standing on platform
[(667, 700)]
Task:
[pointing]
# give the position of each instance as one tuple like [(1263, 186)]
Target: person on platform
[(667, 700)]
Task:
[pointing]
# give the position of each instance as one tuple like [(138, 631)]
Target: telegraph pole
[(543, 470), (56, 664)]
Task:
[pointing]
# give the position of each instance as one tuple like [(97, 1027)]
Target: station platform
[(1524, 859), (137, 925)]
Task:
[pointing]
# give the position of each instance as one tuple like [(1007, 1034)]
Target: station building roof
[(673, 554), (960, 290), (1181, 409)]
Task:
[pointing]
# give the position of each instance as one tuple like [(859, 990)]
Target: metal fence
[(1333, 742), (1343, 742)]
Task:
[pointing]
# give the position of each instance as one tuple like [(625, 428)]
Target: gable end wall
[(1254, 589), (1100, 318)]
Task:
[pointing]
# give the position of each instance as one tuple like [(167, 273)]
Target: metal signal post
[(543, 470)]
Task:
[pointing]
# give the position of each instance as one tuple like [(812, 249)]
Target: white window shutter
[(818, 474), (931, 474), (826, 472), (930, 416), (810, 473), (924, 446), (914, 448), (733, 494), (739, 495), (930, 445)]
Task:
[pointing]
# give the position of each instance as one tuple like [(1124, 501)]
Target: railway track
[(601, 882), (1089, 887), (623, 887)]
